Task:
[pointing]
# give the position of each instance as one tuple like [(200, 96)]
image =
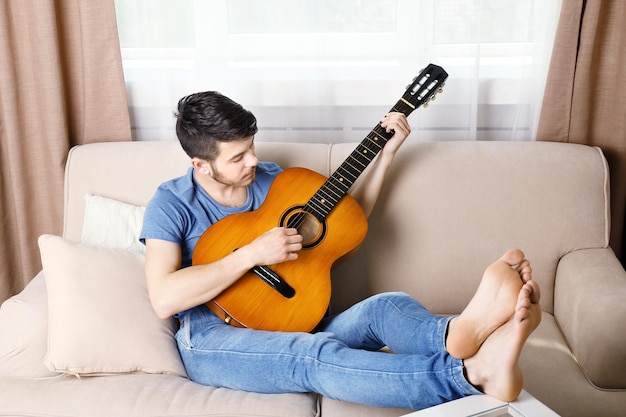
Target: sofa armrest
[(590, 307)]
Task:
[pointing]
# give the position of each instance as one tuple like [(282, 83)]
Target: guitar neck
[(337, 186)]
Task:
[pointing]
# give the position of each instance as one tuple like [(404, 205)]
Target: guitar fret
[(348, 164), (337, 193), (375, 141), (319, 212), (371, 148), (346, 173), (362, 157), (340, 182), (327, 196), (361, 153), (339, 188), (356, 159), (380, 134), (350, 169)]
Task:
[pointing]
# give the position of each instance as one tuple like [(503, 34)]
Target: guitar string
[(263, 272)]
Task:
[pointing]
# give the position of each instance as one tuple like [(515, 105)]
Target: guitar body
[(250, 301)]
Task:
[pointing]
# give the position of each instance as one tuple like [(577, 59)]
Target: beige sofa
[(448, 209)]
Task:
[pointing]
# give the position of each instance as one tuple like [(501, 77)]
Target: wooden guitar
[(294, 295)]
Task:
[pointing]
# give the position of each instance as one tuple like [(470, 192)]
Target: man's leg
[(392, 319), (217, 354), (405, 326), (275, 362)]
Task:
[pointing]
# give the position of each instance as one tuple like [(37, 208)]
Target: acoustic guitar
[(294, 295)]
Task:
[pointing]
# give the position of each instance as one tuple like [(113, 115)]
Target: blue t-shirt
[(180, 211)]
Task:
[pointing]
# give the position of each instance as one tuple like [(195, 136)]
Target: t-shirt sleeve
[(163, 220)]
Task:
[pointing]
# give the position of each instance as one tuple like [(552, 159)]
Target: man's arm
[(173, 290), (368, 187)]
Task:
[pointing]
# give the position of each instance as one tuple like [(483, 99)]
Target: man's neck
[(224, 194)]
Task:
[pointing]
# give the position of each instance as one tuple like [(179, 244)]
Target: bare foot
[(494, 369), (491, 306)]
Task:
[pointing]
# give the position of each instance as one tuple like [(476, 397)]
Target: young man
[(435, 358)]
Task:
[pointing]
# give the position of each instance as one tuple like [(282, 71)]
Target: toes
[(513, 257), (529, 294), (535, 291), (524, 295), (522, 313), (525, 271)]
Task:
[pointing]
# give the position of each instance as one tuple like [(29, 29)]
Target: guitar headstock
[(425, 86)]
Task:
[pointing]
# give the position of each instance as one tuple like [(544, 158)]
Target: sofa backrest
[(447, 210), (131, 171)]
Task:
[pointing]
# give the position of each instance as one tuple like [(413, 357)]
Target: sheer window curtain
[(326, 70)]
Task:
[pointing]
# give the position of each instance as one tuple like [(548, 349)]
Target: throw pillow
[(113, 224), (100, 317)]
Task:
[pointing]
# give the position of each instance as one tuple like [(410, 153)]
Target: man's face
[(236, 163)]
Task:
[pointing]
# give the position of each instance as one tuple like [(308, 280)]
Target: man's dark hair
[(205, 118)]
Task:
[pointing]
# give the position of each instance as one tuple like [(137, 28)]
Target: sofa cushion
[(336, 408), (24, 331), (141, 395), (100, 317)]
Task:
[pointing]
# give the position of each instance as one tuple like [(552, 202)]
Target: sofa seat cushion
[(24, 332), (336, 408), (143, 395)]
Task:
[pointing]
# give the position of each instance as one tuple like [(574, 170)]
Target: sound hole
[(311, 229)]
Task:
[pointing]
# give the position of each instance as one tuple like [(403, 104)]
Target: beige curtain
[(585, 97), (61, 84)]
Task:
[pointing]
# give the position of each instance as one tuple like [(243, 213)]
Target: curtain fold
[(585, 95), (61, 84)]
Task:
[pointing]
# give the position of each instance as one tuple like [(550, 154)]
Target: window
[(327, 70)]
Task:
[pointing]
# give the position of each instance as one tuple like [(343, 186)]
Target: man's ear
[(201, 165)]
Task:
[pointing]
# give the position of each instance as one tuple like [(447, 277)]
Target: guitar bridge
[(274, 280)]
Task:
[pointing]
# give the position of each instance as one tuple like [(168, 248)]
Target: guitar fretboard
[(337, 186)]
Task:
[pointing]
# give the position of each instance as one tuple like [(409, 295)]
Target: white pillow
[(112, 224), (100, 317)]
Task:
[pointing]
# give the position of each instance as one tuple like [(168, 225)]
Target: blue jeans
[(340, 360)]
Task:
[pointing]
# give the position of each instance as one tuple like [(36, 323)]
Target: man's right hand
[(277, 245)]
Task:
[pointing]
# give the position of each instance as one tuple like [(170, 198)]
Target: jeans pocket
[(183, 335)]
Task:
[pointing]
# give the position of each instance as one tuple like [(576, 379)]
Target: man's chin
[(249, 179)]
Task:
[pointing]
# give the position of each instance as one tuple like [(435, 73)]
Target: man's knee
[(394, 297)]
